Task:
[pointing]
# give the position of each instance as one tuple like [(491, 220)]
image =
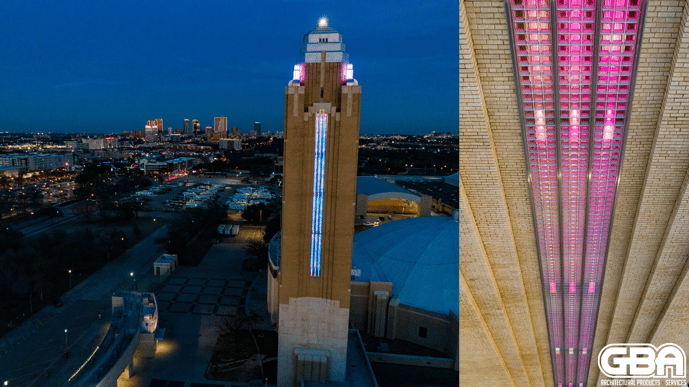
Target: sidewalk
[(34, 353)]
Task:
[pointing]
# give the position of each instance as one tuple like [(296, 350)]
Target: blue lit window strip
[(317, 203)]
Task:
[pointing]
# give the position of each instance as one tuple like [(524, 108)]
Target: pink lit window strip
[(575, 41), (620, 25), (575, 45), (534, 55)]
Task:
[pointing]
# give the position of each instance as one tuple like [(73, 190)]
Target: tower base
[(312, 341)]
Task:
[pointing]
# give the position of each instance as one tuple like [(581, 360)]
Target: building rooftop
[(323, 30), (374, 186), (420, 256), (166, 258)]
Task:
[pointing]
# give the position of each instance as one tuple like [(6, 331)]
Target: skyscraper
[(151, 133), (186, 126), (321, 143), (158, 124), (195, 127), (220, 125), (235, 132), (257, 128)]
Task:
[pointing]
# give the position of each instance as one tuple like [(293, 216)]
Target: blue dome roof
[(420, 256)]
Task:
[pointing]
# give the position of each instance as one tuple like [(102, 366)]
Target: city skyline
[(66, 71)]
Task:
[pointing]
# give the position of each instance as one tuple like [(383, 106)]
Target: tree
[(232, 324), (258, 250), (9, 237), (272, 227), (112, 240), (51, 212), (5, 202), (35, 197), (86, 208), (258, 213), (175, 242), (25, 286)]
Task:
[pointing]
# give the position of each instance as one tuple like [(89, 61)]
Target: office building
[(257, 128), (235, 132), (158, 123), (151, 133), (220, 125), (36, 161), (321, 143), (573, 173), (230, 144), (186, 126), (195, 127)]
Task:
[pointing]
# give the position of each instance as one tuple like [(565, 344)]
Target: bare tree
[(232, 324)]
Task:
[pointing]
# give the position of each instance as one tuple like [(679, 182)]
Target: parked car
[(58, 303)]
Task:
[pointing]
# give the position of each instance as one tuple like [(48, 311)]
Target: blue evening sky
[(106, 67)]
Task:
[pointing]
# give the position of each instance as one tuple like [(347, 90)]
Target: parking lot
[(173, 192)]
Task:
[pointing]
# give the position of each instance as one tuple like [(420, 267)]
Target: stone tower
[(322, 105)]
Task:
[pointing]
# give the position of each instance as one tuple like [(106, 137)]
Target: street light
[(70, 278), (132, 275), (66, 345)]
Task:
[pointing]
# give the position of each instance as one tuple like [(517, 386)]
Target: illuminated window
[(298, 74), (318, 189), (575, 65)]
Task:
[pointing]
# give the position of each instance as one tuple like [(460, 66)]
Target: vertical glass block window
[(318, 189)]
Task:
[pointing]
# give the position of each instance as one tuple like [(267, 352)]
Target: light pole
[(66, 346), (70, 277), (132, 275)]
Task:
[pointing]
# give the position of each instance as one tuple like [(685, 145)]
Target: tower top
[(322, 38)]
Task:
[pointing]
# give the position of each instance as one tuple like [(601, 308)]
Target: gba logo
[(642, 361)]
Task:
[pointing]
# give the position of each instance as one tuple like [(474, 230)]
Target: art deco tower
[(322, 105)]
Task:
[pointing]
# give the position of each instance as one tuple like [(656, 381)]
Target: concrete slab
[(230, 301), (234, 291), (192, 289), (216, 282), (208, 299), (212, 290)]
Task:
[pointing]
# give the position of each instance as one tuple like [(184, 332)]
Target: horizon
[(66, 71)]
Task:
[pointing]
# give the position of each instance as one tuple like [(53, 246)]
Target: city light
[(323, 22)]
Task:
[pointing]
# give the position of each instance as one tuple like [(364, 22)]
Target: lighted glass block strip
[(620, 32), (298, 74), (531, 34), (575, 45), (347, 72), (318, 188)]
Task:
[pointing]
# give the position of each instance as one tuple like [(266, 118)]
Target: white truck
[(221, 229), (235, 230)]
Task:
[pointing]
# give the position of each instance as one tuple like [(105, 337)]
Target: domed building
[(405, 282)]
